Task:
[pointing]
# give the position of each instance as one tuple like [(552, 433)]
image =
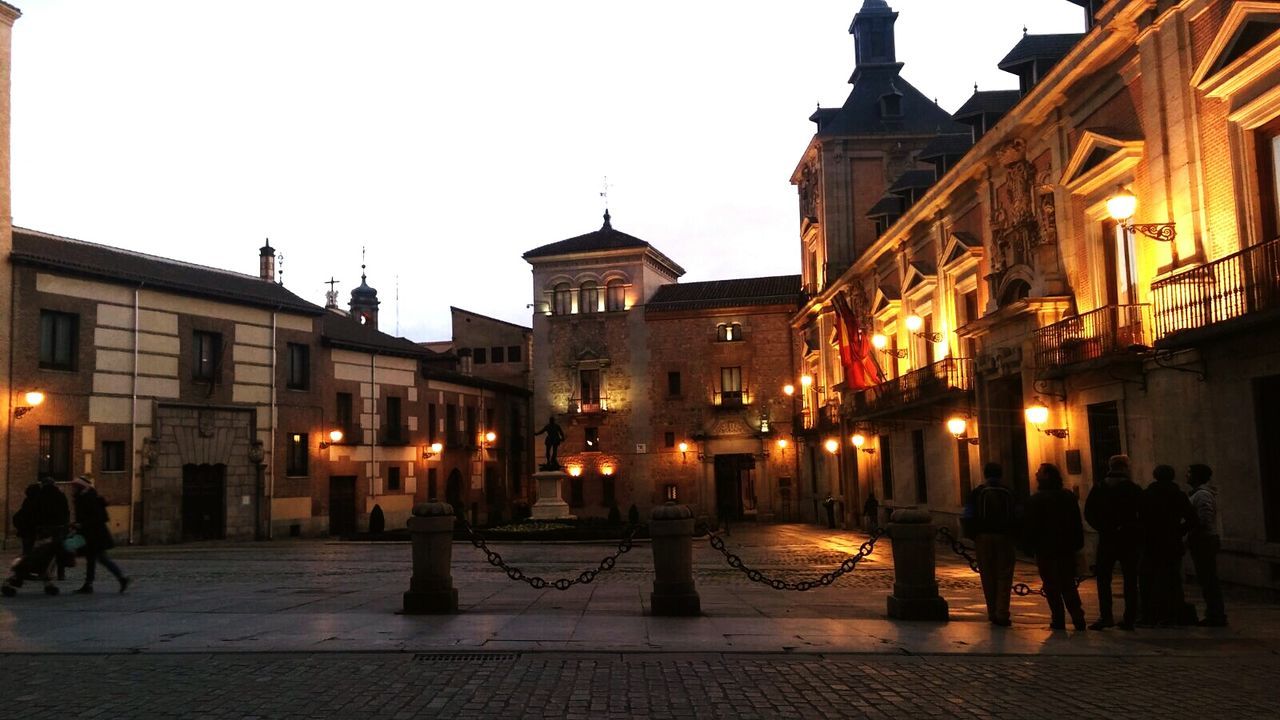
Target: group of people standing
[(1141, 529), (45, 521)]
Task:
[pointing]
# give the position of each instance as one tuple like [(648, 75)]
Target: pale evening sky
[(450, 137)]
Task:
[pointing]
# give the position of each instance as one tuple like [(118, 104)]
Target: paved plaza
[(310, 629)]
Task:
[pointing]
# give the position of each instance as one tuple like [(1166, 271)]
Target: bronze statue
[(555, 436)]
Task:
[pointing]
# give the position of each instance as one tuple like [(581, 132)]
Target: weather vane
[(604, 192)]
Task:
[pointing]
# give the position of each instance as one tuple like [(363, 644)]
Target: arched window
[(615, 296), (562, 299), (729, 332), (589, 298)]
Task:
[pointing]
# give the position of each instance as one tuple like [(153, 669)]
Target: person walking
[(991, 518), (24, 521), (1167, 517), (1204, 542), (52, 514), (871, 512), (1055, 534), (91, 521), (1112, 510)]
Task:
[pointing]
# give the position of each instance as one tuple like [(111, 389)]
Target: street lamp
[(959, 427), (832, 445), (915, 325), (859, 440), (788, 389), (881, 343), (1038, 414), (335, 437), (33, 399), (683, 447), (1124, 204), (432, 450)]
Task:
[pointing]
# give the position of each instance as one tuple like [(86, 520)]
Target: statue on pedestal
[(555, 436)]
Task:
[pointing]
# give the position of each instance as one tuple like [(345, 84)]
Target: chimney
[(267, 262)]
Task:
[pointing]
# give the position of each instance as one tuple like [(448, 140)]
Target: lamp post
[(959, 427)]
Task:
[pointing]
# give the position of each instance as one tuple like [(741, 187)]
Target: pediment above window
[(1245, 50), (887, 298), (920, 274), (1102, 157), (961, 247)]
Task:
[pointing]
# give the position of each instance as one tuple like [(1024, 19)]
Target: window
[(496, 354), (968, 311), (673, 384), (431, 423), (479, 356), (433, 483), (472, 427), (513, 353), (731, 386), (922, 478), (395, 430), (589, 387), (886, 468), (1268, 142), (729, 332), (610, 491), (58, 333), (669, 440), (55, 452), (669, 492), (562, 299), (207, 362), (296, 455), (575, 492), (591, 439), (451, 426), (299, 366), (112, 456), (393, 478), (344, 417), (589, 298), (615, 296)]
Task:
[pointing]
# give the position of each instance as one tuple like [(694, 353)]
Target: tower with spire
[(364, 301)]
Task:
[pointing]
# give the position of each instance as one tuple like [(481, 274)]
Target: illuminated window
[(615, 296), (589, 387), (729, 332), (589, 298), (562, 299), (296, 455), (669, 493)]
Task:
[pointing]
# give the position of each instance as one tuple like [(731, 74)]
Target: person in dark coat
[(1112, 510), (52, 514), (1205, 541), (990, 518), (1054, 535), (24, 521), (91, 522), (871, 511), (1167, 517)]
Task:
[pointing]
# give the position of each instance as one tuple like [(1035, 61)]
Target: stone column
[(550, 504), (674, 594), (431, 587), (915, 586)]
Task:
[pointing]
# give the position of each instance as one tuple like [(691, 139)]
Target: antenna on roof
[(604, 192)]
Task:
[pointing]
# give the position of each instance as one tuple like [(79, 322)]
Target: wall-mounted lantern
[(33, 399)]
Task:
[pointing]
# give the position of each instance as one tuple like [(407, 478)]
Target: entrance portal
[(735, 486), (342, 505), (1008, 425), (204, 499), (1104, 436)]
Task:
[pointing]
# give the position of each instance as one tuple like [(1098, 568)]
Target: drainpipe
[(373, 441), (134, 477), (8, 407), (275, 420)]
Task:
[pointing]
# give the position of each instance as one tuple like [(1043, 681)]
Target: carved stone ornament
[(1024, 215), (149, 452), (257, 453)]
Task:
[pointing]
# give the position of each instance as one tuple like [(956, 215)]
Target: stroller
[(40, 564)]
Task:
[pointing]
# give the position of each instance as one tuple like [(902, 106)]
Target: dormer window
[(729, 332), (891, 105)]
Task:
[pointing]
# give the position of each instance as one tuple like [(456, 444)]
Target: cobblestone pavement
[(539, 685)]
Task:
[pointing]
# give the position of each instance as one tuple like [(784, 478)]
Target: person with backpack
[(1055, 534), (91, 521), (991, 520), (1112, 510), (1167, 517), (1204, 542)]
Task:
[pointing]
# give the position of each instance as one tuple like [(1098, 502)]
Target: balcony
[(395, 435), (731, 399), (940, 380), (1109, 331), (588, 405), (1228, 288)]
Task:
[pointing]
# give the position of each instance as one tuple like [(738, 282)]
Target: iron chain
[(538, 583), (959, 548), (823, 580)]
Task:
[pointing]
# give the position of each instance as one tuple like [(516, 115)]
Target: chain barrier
[(964, 551), (537, 583), (824, 580)]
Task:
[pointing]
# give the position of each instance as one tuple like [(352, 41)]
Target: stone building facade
[(1093, 272)]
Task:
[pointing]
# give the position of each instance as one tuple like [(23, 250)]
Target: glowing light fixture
[(806, 381), (788, 389), (1122, 205), (783, 443), (832, 445), (490, 436), (606, 470), (335, 437), (432, 450), (915, 324), (575, 470), (33, 399), (1038, 414), (959, 427), (881, 343)]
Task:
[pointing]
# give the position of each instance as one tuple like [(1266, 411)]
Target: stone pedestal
[(431, 587), (550, 504), (915, 585), (674, 594)]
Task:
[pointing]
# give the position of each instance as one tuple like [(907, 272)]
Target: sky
[(447, 138)]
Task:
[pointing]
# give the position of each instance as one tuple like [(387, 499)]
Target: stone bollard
[(431, 587), (915, 585), (671, 528)]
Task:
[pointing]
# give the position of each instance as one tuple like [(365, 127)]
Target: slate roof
[(887, 205), (913, 180), (997, 102), (1039, 47), (776, 290), (944, 145), (606, 238), (860, 114), (346, 332), (102, 262)]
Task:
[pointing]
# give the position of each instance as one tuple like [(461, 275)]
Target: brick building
[(1091, 269)]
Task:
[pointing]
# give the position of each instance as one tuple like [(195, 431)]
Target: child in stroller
[(41, 564)]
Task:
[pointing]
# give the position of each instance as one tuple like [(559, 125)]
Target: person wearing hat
[(1204, 542), (91, 521), (1112, 510)]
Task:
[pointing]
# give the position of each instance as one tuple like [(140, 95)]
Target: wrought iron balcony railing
[(395, 435), (932, 382), (1108, 331), (1227, 288), (588, 405), (731, 398)]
